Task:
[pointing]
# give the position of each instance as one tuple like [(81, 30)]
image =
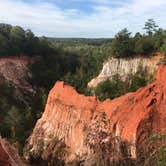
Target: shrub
[(110, 88)]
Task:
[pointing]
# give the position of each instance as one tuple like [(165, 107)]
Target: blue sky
[(82, 18)]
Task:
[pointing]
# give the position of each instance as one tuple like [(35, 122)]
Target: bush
[(110, 88), (139, 79)]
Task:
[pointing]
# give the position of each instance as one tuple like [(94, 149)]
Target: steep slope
[(125, 66), (15, 70), (8, 155), (76, 129)]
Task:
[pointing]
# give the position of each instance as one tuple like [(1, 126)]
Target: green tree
[(122, 44), (137, 36), (163, 46), (5, 30), (158, 38), (139, 79), (4, 38), (150, 27), (14, 40), (17, 38), (3, 45), (31, 44)]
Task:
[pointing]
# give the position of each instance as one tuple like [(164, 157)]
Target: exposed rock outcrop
[(125, 66), (15, 70), (8, 155), (79, 129)]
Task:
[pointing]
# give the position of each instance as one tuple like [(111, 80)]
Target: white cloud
[(44, 18)]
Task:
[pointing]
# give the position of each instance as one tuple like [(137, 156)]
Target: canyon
[(126, 66), (80, 130), (46, 117)]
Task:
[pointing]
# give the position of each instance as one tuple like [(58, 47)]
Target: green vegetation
[(162, 156), (117, 87), (150, 27), (74, 65), (156, 146), (76, 42), (14, 40), (18, 114), (53, 68), (110, 88), (163, 47), (124, 45)]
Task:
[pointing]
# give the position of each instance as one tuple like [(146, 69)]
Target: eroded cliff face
[(8, 155), (15, 70), (125, 66), (76, 129)]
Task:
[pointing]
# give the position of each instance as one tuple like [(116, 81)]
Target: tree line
[(14, 40), (153, 40)]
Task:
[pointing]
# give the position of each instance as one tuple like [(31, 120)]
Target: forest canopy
[(153, 40), (14, 40)]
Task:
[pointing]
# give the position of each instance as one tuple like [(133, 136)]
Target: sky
[(82, 18)]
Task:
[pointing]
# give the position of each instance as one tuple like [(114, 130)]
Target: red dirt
[(133, 117)]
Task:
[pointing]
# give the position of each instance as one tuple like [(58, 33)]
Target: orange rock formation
[(86, 126)]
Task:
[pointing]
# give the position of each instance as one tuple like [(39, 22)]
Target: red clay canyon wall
[(76, 128), (15, 70), (8, 155)]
